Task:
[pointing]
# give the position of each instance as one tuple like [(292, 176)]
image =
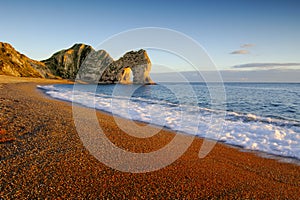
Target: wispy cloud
[(242, 51), (247, 45), (265, 65)]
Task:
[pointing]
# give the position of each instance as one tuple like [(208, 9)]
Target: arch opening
[(126, 76)]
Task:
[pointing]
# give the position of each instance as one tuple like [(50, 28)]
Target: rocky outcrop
[(94, 65), (135, 62), (85, 64), (66, 63), (79, 62), (14, 63)]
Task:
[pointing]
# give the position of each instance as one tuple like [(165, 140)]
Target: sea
[(261, 117)]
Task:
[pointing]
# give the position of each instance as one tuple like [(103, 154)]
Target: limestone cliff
[(84, 63), (66, 63), (14, 63), (136, 62), (94, 65), (79, 62)]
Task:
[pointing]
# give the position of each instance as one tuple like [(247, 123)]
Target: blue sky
[(269, 27)]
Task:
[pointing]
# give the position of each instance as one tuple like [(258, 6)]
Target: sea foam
[(249, 131)]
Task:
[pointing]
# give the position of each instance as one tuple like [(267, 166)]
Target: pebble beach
[(42, 157)]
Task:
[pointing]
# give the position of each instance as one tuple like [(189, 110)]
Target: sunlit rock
[(119, 71)]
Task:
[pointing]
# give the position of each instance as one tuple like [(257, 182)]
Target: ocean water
[(257, 116)]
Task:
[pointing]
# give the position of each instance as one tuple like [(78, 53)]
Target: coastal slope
[(13, 63)]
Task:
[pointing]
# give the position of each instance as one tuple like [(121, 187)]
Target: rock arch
[(119, 71)]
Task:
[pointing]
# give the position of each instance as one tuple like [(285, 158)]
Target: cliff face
[(14, 63), (66, 63), (98, 66), (80, 62), (94, 65)]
